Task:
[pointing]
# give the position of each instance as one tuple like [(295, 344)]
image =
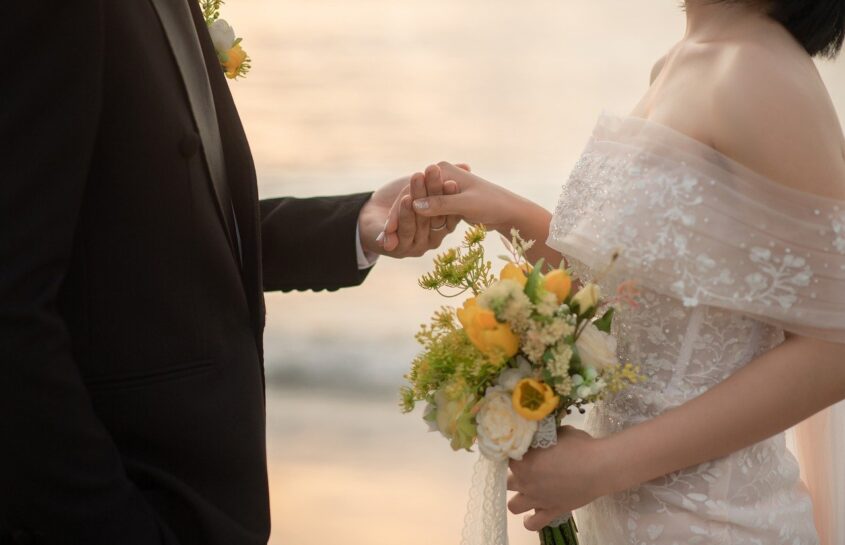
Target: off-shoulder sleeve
[(691, 223)]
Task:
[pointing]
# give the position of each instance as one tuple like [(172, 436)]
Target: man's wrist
[(366, 259)]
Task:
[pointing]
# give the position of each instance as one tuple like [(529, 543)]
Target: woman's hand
[(478, 202), (559, 479)]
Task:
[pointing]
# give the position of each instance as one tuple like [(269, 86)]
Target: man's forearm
[(771, 394)]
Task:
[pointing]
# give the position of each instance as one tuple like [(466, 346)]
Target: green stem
[(565, 534)]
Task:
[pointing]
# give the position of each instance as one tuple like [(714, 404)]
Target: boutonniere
[(234, 61)]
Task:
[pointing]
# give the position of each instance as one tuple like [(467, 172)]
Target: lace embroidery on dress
[(726, 261)]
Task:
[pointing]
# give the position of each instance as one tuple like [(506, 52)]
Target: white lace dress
[(726, 260)]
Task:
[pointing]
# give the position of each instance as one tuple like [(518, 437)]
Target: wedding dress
[(726, 261)]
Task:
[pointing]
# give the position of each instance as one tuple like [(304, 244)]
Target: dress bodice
[(725, 261)]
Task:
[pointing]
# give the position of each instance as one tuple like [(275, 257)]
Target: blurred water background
[(345, 95)]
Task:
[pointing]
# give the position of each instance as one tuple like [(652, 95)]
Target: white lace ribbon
[(486, 521)]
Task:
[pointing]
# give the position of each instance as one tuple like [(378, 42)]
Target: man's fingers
[(393, 216), (539, 520), (520, 503), (419, 190), (451, 187), (407, 225), (434, 186), (433, 180), (464, 166)]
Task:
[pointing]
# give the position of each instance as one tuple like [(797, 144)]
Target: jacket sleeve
[(309, 244), (61, 477)]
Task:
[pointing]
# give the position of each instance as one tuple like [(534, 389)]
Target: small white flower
[(222, 35), (502, 433), (596, 348), (760, 255), (757, 281)]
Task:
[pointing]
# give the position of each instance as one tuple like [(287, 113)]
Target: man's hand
[(388, 224)]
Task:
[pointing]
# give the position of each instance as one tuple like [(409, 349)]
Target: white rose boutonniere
[(234, 61)]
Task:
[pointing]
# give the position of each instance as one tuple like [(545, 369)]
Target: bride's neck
[(708, 20)]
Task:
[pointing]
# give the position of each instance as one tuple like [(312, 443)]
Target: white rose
[(222, 35), (502, 433), (596, 348)]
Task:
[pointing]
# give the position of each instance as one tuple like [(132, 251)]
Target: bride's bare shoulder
[(771, 111)]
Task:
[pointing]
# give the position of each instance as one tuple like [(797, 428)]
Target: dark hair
[(818, 25)]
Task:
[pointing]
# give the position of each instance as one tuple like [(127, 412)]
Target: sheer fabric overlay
[(726, 261)]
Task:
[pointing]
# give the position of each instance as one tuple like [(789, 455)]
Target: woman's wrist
[(615, 473), (526, 216)]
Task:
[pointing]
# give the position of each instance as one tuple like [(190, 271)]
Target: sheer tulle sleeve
[(691, 223)]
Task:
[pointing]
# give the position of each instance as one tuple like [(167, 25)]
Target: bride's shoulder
[(771, 111)]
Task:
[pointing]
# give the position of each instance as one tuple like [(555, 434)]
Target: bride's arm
[(482, 202), (769, 395)]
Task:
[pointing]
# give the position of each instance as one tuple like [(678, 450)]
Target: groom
[(133, 257)]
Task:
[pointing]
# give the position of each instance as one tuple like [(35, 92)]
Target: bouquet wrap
[(486, 521)]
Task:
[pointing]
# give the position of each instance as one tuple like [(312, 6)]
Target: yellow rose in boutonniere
[(233, 59)]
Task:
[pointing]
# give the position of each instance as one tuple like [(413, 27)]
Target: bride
[(724, 192)]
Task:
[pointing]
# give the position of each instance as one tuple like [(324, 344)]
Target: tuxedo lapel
[(178, 25)]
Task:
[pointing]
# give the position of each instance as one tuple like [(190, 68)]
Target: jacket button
[(21, 537), (189, 145)]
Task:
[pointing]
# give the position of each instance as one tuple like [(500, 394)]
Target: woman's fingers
[(434, 186), (521, 503), (443, 205), (539, 520)]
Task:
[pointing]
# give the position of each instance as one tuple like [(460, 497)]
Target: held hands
[(449, 193), (410, 235), (388, 224), (559, 479)]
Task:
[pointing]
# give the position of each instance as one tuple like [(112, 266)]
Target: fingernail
[(380, 237), (421, 204)]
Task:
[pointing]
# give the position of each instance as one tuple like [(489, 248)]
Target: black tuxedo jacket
[(131, 317)]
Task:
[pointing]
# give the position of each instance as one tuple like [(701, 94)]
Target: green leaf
[(532, 286), (604, 323)]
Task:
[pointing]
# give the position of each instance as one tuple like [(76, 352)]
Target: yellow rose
[(491, 337), (587, 298), (534, 400), (559, 283), (514, 272), (234, 58)]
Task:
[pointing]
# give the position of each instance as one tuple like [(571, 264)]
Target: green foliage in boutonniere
[(234, 61)]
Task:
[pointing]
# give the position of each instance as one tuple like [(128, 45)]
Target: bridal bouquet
[(505, 369)]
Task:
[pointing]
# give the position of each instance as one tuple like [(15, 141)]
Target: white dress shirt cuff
[(365, 259)]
